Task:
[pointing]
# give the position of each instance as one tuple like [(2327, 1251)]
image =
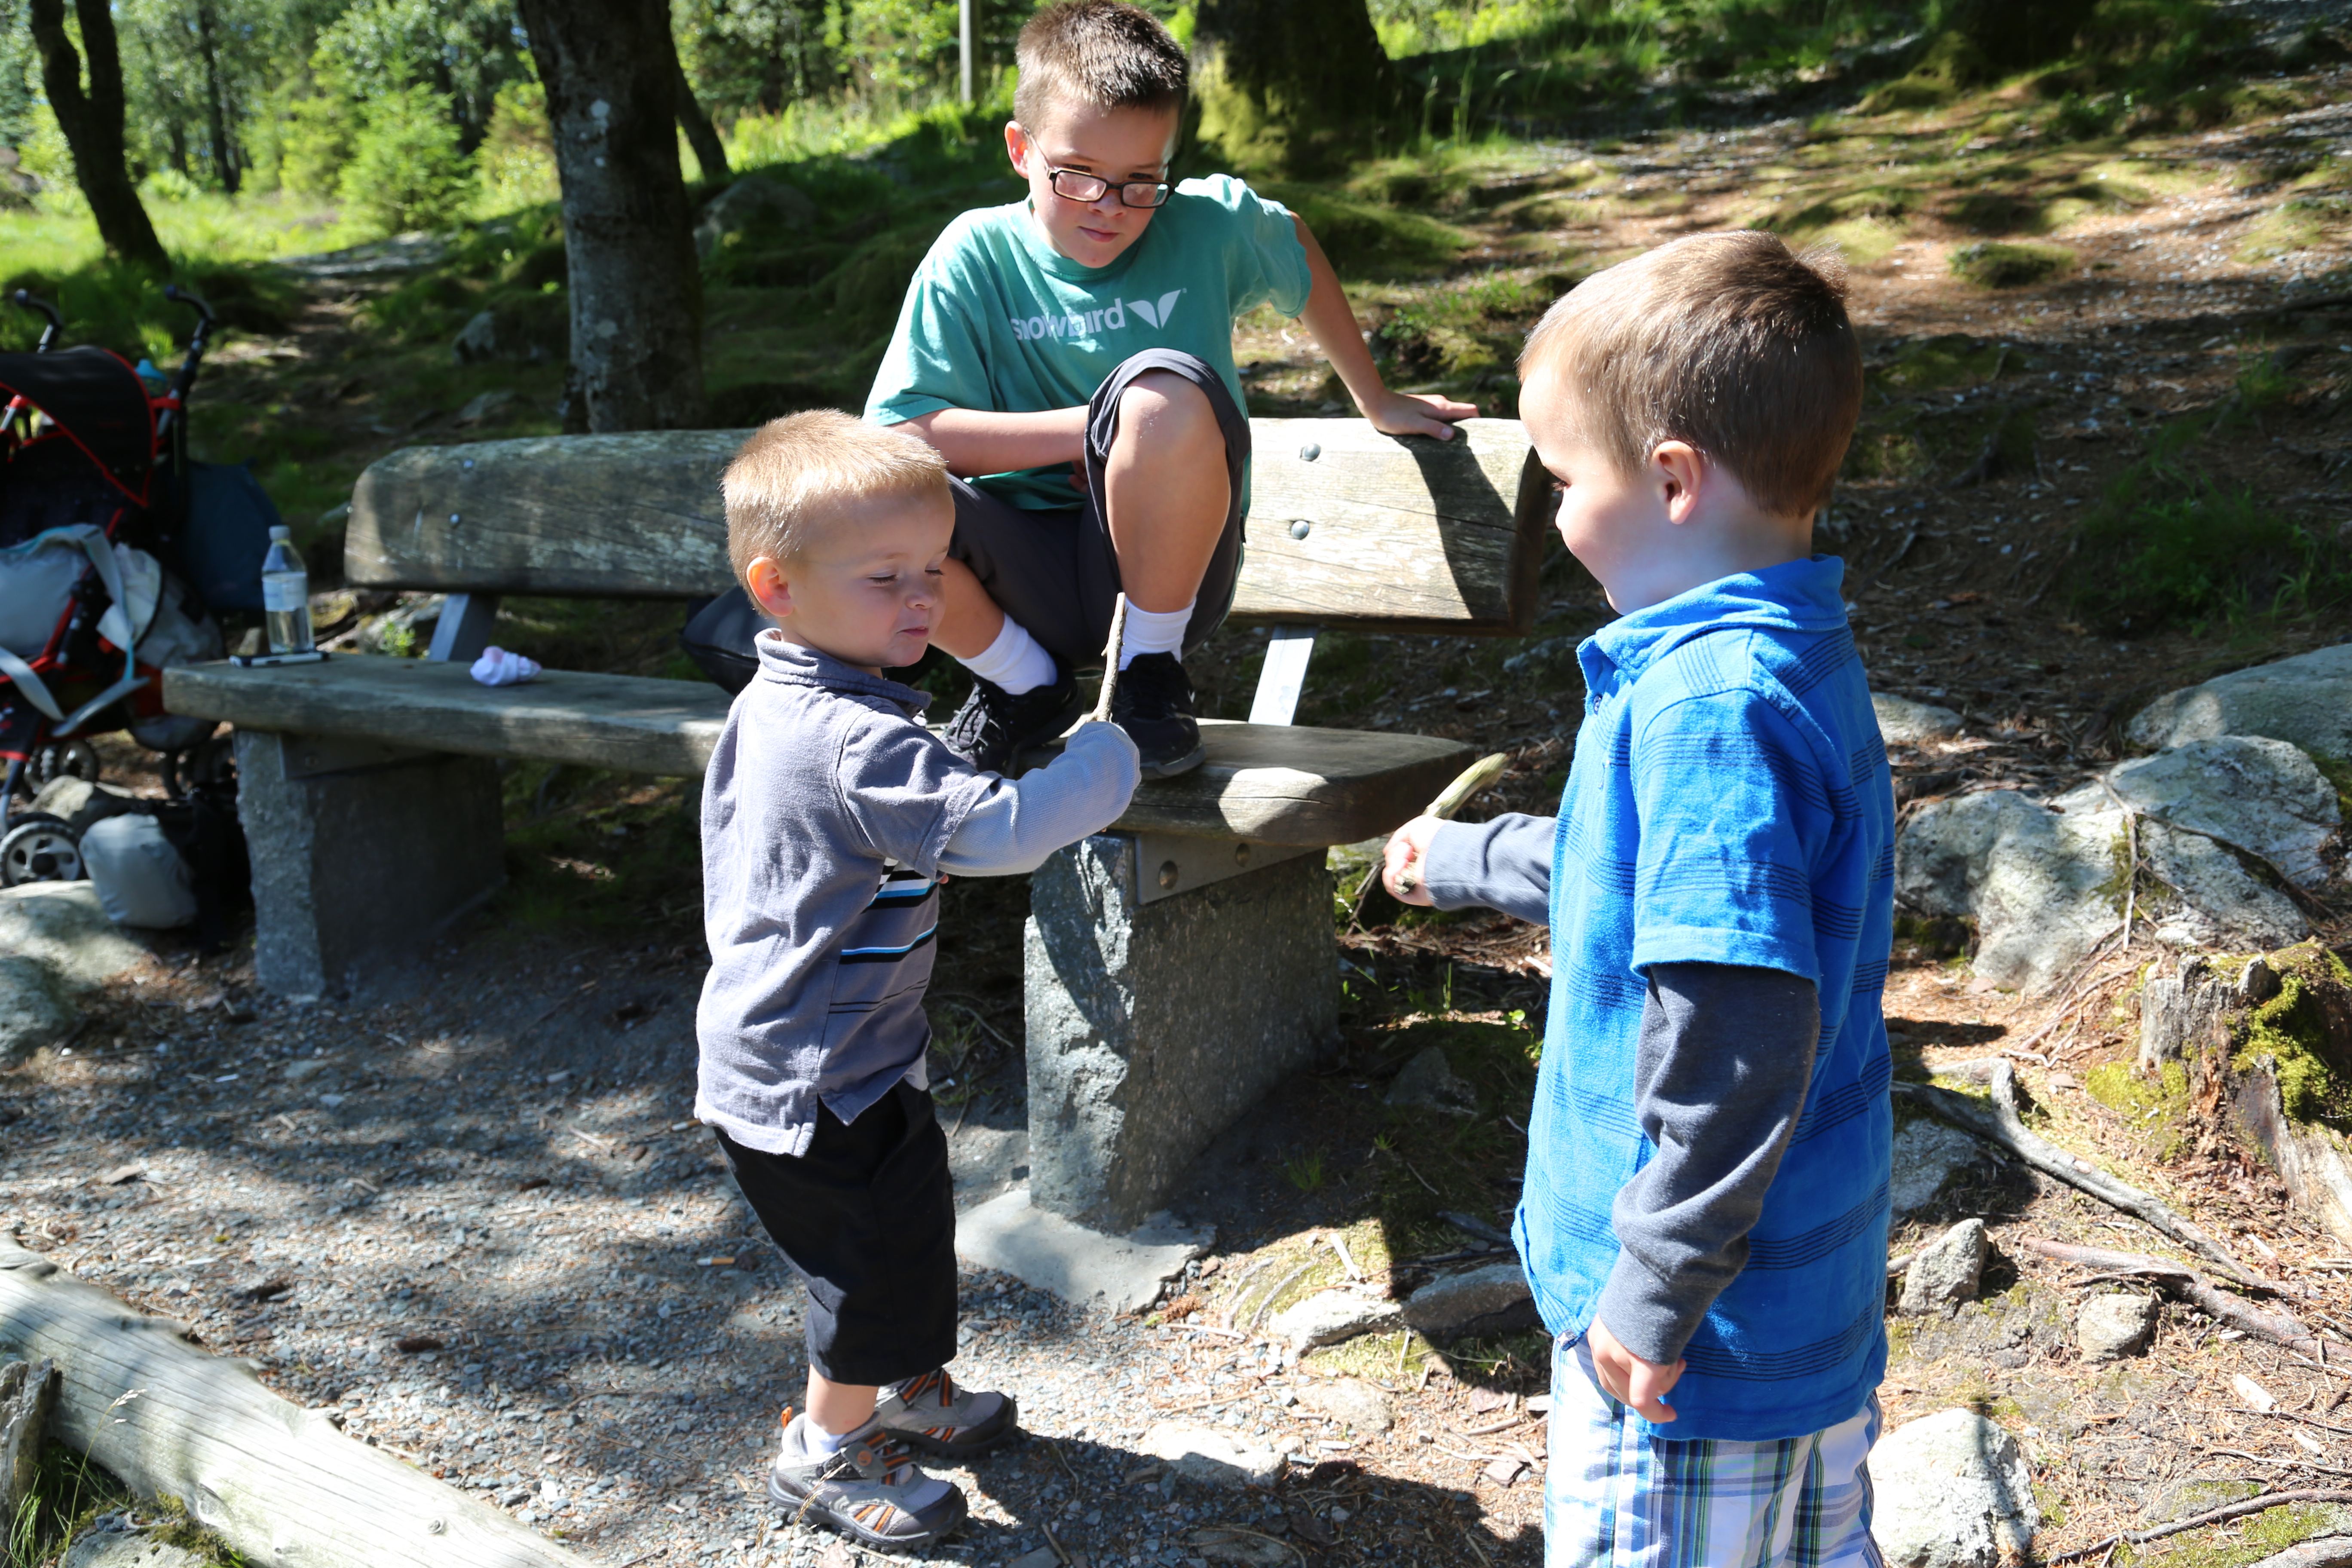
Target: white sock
[(1153, 631), (1014, 662), (816, 1439)]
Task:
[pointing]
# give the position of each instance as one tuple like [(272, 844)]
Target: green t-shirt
[(998, 320)]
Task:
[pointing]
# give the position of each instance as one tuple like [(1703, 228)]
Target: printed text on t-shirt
[(1111, 318)]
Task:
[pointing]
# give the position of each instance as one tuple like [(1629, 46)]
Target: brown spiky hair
[(1730, 342), (788, 481), (1099, 53)]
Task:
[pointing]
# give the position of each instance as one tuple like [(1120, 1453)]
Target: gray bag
[(140, 879)]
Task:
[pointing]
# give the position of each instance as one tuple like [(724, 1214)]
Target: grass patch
[(2004, 264)]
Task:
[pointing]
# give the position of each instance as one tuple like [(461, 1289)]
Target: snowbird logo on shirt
[(1111, 318)]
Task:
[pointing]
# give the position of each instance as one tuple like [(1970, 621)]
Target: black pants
[(867, 1218), (1054, 572)]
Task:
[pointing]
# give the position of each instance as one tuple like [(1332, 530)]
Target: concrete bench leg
[(359, 849), (1153, 1024)]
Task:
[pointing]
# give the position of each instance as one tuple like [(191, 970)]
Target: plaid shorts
[(1616, 1499)]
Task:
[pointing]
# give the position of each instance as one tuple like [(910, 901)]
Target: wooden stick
[(2278, 1328), (1450, 799), (1111, 660), (1995, 1118)]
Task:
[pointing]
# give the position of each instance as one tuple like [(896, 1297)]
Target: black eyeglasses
[(1077, 186)]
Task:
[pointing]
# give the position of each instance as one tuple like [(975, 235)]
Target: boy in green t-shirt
[(1072, 356)]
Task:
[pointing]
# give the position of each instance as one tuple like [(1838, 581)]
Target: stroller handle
[(185, 381), (32, 301)]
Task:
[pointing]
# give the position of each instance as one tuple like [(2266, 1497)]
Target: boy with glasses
[(1071, 356)]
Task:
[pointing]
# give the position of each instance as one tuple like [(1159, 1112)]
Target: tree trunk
[(700, 134), (1289, 87), (609, 67), (215, 106), (93, 123)]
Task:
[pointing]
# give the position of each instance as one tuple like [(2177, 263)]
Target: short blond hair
[(1730, 342), (1099, 53), (784, 480)]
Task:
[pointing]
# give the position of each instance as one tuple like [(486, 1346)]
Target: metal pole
[(963, 48)]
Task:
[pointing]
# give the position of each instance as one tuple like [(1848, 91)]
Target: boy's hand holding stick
[(1451, 799), (1101, 715)]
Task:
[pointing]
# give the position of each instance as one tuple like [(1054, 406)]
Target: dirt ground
[(470, 1209)]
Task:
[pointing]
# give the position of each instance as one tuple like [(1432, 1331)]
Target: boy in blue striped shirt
[(1704, 1221)]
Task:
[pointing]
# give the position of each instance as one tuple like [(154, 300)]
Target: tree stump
[(27, 1389), (2263, 1053)]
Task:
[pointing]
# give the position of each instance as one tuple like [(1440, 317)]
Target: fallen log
[(278, 1483), (2319, 1551), (1996, 1118), (2180, 1279)]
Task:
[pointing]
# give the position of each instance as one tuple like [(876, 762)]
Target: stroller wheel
[(40, 848), (60, 759)]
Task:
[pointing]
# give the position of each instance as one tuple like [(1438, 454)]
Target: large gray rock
[(80, 802), (1488, 1300), (2258, 793), (1946, 1272), (1153, 1025), (2044, 884), (1330, 1317), (61, 926), (1210, 1457), (754, 198), (2114, 1324), (1952, 1490), (2031, 879), (1903, 722), (1927, 1153), (2305, 701), (1427, 1083), (33, 1011), (2222, 904)]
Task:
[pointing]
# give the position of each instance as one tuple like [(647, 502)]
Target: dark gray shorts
[(1054, 570)]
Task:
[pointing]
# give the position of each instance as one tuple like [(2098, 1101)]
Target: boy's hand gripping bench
[(1177, 966)]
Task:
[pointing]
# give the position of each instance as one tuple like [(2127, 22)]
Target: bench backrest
[(1346, 526)]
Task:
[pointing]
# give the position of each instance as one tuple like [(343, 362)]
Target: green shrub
[(2170, 547), (1995, 264), (406, 170)]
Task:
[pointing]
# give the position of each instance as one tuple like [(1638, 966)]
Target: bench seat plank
[(1270, 784), (1400, 534)]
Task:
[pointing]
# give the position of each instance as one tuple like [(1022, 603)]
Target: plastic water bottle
[(286, 595)]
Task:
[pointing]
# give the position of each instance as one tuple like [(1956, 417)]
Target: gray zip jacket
[(828, 814)]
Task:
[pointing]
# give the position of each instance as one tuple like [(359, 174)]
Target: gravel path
[(474, 1217)]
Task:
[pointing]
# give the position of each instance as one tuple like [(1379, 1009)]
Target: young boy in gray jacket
[(829, 818)]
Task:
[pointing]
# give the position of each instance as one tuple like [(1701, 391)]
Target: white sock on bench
[(1014, 662), (1153, 631)]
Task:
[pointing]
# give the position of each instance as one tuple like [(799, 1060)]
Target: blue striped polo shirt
[(1729, 803)]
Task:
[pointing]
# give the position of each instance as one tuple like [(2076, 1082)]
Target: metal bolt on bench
[(1176, 967)]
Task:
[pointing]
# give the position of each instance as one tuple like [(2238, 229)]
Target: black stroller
[(115, 552)]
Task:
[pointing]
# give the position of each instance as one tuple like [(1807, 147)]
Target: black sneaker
[(1153, 703), (994, 726)]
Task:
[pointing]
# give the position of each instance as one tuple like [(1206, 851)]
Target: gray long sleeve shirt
[(1724, 1060), (827, 816)]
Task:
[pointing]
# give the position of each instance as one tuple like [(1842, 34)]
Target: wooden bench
[(1175, 966)]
